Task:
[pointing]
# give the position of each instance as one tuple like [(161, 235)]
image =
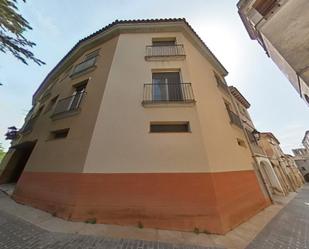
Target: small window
[(59, 134), (164, 41), (241, 143), (91, 55), (169, 127)]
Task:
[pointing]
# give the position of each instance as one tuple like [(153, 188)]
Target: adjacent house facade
[(136, 125), (284, 165), (281, 28), (263, 165), (301, 158)]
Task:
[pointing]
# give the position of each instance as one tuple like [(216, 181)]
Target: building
[(281, 28), (305, 141), (262, 163), (301, 158), (284, 166), (133, 126)]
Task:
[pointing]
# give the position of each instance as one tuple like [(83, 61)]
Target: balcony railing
[(83, 66), (69, 104), (162, 51), (171, 92), (234, 118)]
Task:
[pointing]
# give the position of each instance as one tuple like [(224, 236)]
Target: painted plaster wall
[(121, 141)]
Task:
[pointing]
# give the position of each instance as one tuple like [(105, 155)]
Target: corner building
[(131, 127)]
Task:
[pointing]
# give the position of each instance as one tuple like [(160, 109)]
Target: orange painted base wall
[(215, 202)]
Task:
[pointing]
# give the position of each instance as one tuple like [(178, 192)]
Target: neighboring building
[(285, 168), (301, 158), (306, 140), (132, 126), (264, 166), (281, 28)]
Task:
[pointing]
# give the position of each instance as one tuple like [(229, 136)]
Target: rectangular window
[(163, 41), (59, 134), (170, 127), (166, 86), (265, 6)]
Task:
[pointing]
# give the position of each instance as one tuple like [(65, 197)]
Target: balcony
[(69, 105), (222, 84), (180, 93), (28, 126), (155, 52), (234, 118), (84, 67)]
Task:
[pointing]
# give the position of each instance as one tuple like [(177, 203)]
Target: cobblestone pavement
[(16, 233), (289, 229)]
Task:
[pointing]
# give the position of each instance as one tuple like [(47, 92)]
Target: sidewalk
[(239, 238)]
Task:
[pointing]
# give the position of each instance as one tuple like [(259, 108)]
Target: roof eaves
[(119, 22)]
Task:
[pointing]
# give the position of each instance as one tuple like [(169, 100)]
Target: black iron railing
[(171, 92), (69, 104), (234, 118), (170, 50), (83, 66)]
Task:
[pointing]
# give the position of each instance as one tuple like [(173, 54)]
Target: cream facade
[(281, 28), (134, 125)]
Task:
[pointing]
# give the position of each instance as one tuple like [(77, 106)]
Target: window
[(38, 113), (88, 62), (163, 41), (169, 127), (220, 82), (59, 134), (264, 6), (78, 94), (51, 104), (91, 55), (166, 86), (241, 143)]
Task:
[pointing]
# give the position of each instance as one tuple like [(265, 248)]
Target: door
[(166, 86), (17, 162)]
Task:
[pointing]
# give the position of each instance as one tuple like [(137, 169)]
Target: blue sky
[(58, 25)]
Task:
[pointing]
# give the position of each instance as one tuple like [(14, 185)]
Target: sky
[(58, 25)]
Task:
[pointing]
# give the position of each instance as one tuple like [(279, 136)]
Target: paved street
[(18, 234), (289, 229)]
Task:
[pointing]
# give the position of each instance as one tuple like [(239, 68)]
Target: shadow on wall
[(306, 177)]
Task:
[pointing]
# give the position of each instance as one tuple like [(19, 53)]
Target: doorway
[(17, 162)]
